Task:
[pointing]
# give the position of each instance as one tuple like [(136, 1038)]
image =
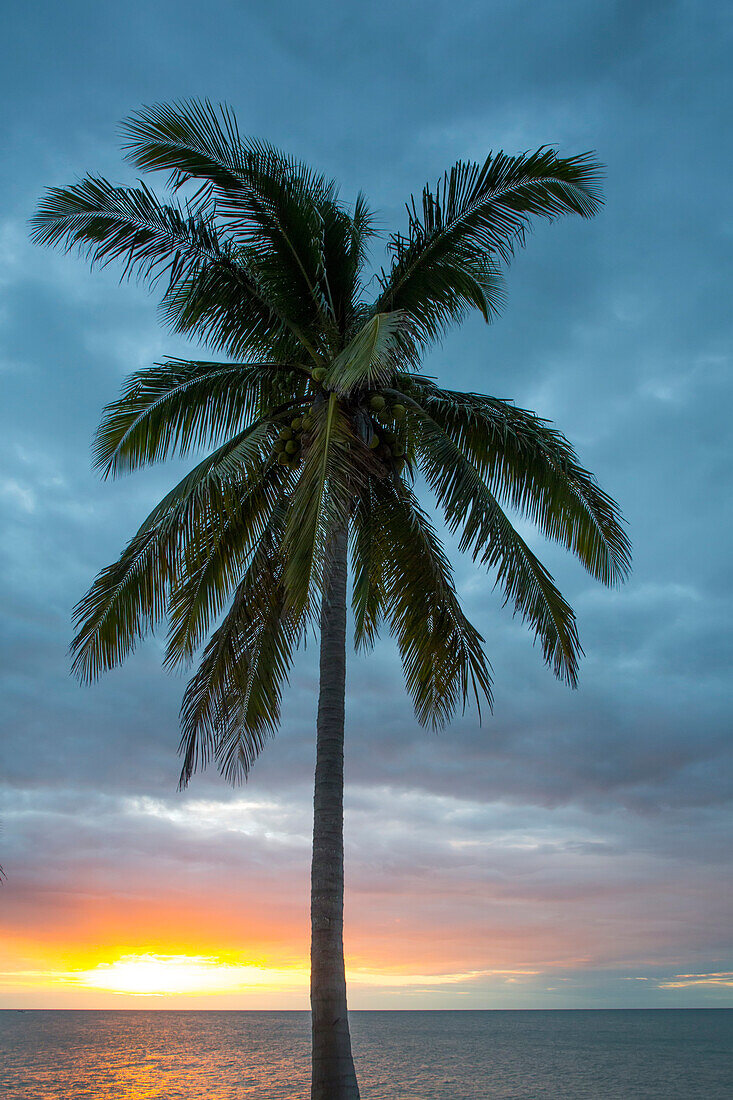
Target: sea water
[(594, 1055)]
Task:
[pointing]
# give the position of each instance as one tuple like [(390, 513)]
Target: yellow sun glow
[(168, 974), (163, 975)]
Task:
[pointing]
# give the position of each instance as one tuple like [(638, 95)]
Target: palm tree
[(320, 423)]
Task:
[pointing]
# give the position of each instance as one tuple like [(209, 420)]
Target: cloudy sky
[(572, 851)]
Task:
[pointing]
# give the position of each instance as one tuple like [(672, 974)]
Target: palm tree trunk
[(333, 1067)]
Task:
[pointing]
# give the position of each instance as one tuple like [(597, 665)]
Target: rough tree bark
[(334, 1077)]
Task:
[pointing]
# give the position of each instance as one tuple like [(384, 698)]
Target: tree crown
[(320, 420)]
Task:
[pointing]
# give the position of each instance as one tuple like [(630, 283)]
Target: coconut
[(307, 423), (374, 442), (286, 433), (280, 446), (377, 402), (283, 459), (398, 412), (297, 423), (398, 451), (291, 447), (318, 374)]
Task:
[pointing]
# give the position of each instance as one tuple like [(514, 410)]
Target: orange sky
[(195, 933)]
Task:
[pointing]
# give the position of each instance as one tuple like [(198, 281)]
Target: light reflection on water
[(625, 1055)]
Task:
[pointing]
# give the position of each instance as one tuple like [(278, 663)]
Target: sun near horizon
[(172, 980)]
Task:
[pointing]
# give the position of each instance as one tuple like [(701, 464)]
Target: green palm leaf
[(334, 470), (130, 597), (373, 355), (179, 406), (367, 555), (442, 653), (231, 310), (272, 202), (216, 556), (130, 224), (472, 220), (232, 703), (153, 239), (126, 601), (487, 532), (346, 239), (533, 469)]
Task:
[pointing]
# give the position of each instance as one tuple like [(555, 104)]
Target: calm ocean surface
[(665, 1054)]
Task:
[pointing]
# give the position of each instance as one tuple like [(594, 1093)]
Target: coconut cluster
[(387, 442), (386, 439), (289, 443)]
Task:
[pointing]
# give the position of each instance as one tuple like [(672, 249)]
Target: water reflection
[(623, 1055), (154, 1055)]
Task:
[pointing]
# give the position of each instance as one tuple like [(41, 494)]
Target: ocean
[(661, 1054)]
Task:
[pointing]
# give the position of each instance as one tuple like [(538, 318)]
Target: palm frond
[(373, 355), (362, 233), (455, 284), (442, 653), (227, 472), (231, 311), (232, 703), (346, 237), (130, 597), (335, 467), (153, 239), (488, 533), (215, 556), (127, 600), (533, 469), (108, 223), (179, 406), (272, 202), (470, 223), (189, 140), (368, 596), (195, 140)]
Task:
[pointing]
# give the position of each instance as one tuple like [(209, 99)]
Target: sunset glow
[(222, 920), (160, 975), (170, 974)]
